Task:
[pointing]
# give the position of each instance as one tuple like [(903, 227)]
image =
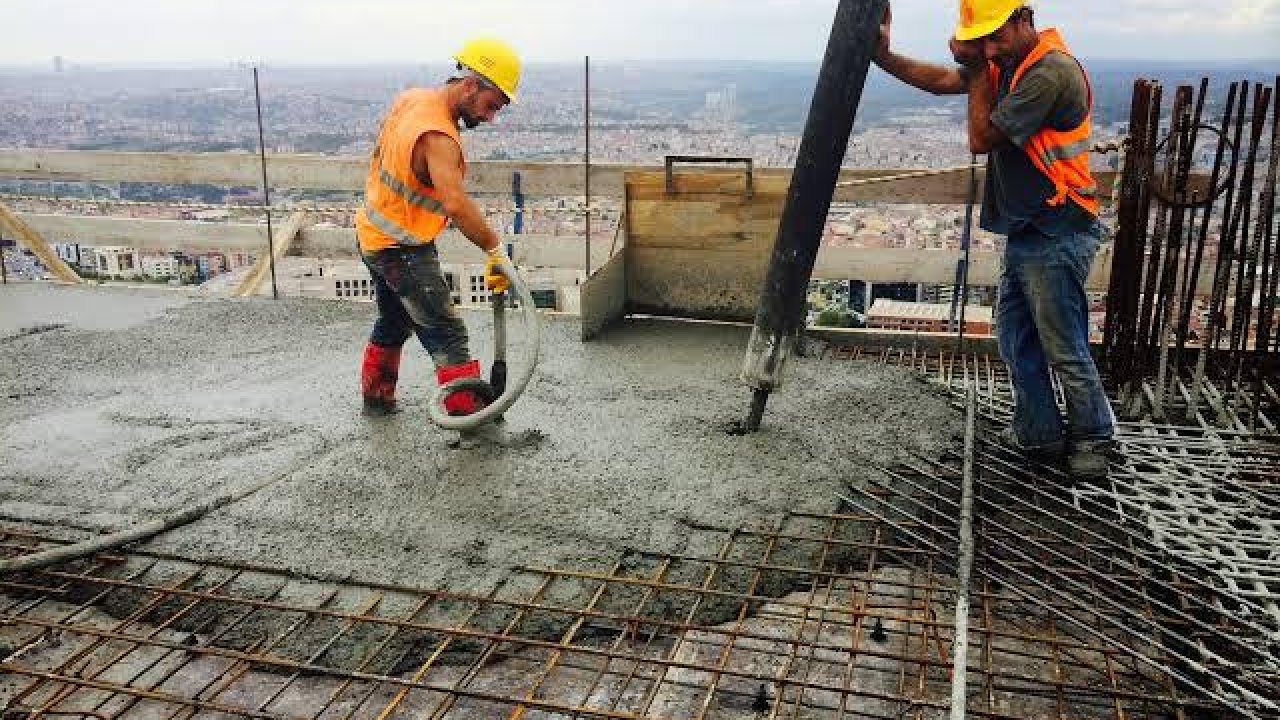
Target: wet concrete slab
[(28, 306), (128, 405)]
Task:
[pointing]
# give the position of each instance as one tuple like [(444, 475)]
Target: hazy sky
[(377, 31)]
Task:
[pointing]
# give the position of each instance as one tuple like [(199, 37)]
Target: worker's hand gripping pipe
[(513, 390)]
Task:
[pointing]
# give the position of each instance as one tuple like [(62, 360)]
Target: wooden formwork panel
[(702, 249), (603, 297)]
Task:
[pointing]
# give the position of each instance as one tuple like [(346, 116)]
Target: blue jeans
[(1043, 323), (413, 297)]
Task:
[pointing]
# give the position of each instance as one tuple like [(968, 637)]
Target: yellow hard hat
[(495, 60), (979, 18)]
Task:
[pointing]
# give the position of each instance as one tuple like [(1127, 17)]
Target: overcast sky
[(414, 31)]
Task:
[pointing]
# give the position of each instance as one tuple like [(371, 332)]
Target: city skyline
[(325, 32)]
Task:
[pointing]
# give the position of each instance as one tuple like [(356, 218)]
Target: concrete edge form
[(604, 297)]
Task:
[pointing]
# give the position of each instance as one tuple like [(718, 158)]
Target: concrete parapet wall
[(699, 250), (339, 172), (702, 249)]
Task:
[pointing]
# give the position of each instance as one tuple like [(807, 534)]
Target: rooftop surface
[(126, 405), (623, 557)]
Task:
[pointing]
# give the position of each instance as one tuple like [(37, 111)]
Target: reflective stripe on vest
[(388, 226), (1061, 155), (410, 195), (1051, 155), (398, 208), (391, 229)]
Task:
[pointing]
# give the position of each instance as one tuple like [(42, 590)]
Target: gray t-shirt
[(1052, 93)]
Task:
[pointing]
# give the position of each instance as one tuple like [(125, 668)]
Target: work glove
[(494, 278)]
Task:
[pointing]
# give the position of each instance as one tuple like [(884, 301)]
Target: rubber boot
[(379, 372), (460, 402)]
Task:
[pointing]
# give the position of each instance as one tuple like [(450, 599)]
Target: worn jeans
[(1043, 323), (413, 297)]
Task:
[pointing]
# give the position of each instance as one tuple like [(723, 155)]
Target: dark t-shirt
[(1052, 93)]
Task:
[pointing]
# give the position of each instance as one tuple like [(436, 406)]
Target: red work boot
[(460, 402), (378, 374)]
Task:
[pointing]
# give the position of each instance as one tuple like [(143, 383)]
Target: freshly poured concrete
[(125, 405)]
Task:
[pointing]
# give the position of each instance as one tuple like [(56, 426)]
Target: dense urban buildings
[(639, 114)]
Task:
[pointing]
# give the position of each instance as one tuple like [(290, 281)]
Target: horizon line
[(206, 64)]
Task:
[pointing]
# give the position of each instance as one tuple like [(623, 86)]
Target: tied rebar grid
[(840, 615), (1200, 499), (1191, 305), (1223, 405)]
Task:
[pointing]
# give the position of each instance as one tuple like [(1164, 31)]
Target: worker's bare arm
[(438, 156), (936, 79), (983, 134)]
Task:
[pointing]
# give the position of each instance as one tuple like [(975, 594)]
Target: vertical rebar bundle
[(1191, 312)]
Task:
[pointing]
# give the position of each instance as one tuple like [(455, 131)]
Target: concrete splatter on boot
[(465, 401), (1088, 459), (1047, 454), (495, 435)]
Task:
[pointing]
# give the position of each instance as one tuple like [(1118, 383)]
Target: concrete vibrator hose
[(507, 393)]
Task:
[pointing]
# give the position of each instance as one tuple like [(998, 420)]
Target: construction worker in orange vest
[(413, 190), (1029, 103)]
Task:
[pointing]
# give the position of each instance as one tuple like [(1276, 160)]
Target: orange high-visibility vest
[(399, 209), (1063, 156)]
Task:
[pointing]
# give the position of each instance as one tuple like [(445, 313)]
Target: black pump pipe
[(780, 316)]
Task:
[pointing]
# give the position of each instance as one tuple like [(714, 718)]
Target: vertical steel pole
[(1248, 273), (517, 197), (960, 293), (780, 316), (1193, 275), (1129, 253), (1271, 252), (266, 190), (964, 570), (1181, 141), (1222, 268), (586, 113)]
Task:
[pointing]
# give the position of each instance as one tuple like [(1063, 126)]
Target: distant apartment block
[(211, 264), (160, 266), (551, 288), (926, 317), (71, 253), (976, 294), (117, 262)]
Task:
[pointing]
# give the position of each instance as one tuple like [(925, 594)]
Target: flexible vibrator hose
[(533, 326)]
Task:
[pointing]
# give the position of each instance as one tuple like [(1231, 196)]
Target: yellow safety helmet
[(493, 59), (979, 18)]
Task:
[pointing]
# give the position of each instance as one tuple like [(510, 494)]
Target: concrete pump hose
[(151, 528), (533, 327)]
